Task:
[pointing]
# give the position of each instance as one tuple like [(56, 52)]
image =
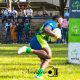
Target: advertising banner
[(74, 32)]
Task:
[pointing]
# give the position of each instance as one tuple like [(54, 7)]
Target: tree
[(62, 6)]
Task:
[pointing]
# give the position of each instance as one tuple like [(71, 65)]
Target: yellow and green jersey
[(40, 40)]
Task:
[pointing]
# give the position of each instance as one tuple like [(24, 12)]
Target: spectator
[(5, 15), (19, 29), (66, 13), (8, 24), (22, 9), (65, 30), (13, 33), (29, 12), (27, 27), (14, 14), (22, 12), (18, 16)]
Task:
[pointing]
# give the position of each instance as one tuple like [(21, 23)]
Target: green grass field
[(23, 67)]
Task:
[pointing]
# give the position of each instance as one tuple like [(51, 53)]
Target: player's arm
[(18, 5), (48, 31)]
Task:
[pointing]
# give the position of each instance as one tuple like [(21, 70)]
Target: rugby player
[(39, 45)]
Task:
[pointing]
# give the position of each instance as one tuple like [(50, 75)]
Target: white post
[(10, 5)]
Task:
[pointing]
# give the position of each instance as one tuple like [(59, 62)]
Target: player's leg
[(42, 53), (40, 48), (44, 62), (43, 66), (36, 48)]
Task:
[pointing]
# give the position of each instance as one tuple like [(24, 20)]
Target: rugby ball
[(57, 33)]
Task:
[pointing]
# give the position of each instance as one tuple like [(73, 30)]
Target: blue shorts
[(34, 44), (38, 42)]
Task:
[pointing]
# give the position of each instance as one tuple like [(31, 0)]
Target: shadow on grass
[(56, 54), (11, 77), (54, 62), (14, 52)]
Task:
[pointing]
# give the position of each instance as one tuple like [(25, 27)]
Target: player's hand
[(57, 37), (57, 33)]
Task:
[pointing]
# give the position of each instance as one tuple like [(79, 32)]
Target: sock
[(28, 50), (40, 72)]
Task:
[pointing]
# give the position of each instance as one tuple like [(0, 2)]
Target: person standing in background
[(5, 15), (29, 12), (65, 25), (27, 28), (8, 24), (19, 29), (13, 33), (22, 9), (22, 12), (14, 14)]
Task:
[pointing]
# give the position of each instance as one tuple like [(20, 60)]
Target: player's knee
[(48, 60), (49, 57)]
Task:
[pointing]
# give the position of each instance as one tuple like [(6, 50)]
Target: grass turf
[(24, 67)]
